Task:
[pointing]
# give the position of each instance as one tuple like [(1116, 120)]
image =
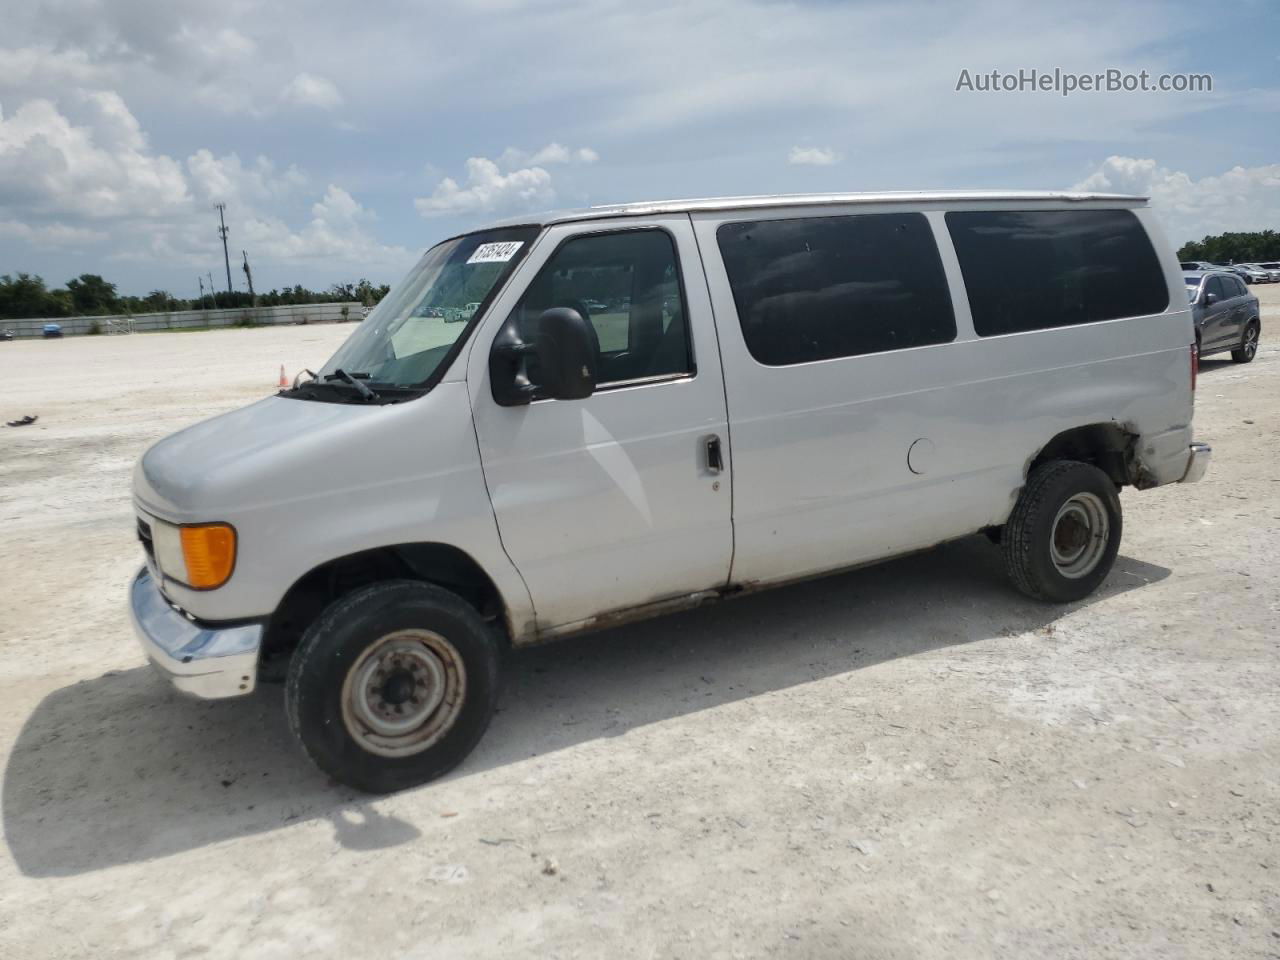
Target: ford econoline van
[(561, 422)]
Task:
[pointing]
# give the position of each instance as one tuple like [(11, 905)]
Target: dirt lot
[(906, 761)]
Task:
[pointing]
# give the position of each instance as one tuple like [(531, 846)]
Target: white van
[(653, 406)]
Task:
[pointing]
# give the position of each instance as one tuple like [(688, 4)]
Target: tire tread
[(1019, 539)]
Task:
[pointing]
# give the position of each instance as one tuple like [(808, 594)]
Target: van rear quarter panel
[(820, 450)]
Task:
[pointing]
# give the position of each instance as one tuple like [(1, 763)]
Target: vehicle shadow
[(119, 769)]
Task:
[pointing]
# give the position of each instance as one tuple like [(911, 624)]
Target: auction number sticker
[(495, 252)]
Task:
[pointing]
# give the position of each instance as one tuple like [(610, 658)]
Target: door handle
[(715, 457)]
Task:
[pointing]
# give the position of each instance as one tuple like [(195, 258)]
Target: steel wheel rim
[(403, 693), (1078, 537), (1251, 341)]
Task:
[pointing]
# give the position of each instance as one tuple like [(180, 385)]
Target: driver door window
[(627, 286)]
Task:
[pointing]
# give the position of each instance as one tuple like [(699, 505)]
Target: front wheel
[(1064, 533), (1248, 348), (393, 685)]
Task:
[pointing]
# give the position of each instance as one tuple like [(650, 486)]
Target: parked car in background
[(1258, 273), (1226, 314), (799, 385), (1190, 265), (1273, 268), (1246, 272), (51, 330)]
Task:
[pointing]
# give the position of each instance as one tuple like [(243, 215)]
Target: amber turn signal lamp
[(210, 553)]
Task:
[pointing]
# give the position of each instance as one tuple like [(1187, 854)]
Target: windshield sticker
[(495, 252)]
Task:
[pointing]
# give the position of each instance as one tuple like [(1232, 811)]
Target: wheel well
[(439, 563), (1108, 446)]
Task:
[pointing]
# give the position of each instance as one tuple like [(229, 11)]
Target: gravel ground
[(906, 761)]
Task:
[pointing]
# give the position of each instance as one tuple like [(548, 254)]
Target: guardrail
[(190, 319)]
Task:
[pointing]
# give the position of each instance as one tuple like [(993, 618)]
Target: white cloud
[(337, 232), (813, 156), (102, 169), (517, 180), (309, 90), (488, 189), (50, 236), (227, 180), (54, 172), (552, 153), (45, 67), (1242, 198)]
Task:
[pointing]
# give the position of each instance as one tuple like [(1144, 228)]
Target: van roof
[(652, 207)]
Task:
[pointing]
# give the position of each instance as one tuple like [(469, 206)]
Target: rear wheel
[(393, 685), (1248, 348), (1064, 533)]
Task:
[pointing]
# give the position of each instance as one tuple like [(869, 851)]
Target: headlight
[(201, 556)]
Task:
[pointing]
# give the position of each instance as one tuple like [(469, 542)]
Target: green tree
[(90, 295), (1263, 245), (26, 295)]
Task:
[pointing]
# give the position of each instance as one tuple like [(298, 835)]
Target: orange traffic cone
[(284, 380)]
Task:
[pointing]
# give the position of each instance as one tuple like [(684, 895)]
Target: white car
[(1273, 270), (788, 386)]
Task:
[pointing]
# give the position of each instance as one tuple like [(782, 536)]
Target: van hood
[(270, 450)]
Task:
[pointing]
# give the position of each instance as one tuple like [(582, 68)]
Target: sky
[(345, 138)]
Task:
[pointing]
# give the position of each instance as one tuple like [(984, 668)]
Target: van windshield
[(410, 336)]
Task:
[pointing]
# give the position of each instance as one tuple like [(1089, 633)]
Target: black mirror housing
[(564, 354), (567, 355)]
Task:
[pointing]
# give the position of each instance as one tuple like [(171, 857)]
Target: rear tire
[(1248, 348), (393, 685), (1062, 538)]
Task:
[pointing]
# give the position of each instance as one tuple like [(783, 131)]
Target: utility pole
[(222, 232), (213, 294), (248, 275), (200, 280)]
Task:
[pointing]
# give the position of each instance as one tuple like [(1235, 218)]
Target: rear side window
[(1238, 287), (1036, 269), (823, 287)]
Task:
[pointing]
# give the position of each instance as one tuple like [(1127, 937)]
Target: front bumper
[(200, 661), (1198, 463)]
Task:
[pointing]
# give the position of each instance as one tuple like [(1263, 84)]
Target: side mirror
[(567, 355), (1210, 299), (564, 354)]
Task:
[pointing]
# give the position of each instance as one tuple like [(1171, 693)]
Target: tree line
[(26, 295), (1257, 247)]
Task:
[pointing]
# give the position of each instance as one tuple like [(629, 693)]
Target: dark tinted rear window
[(1030, 270), (824, 287)]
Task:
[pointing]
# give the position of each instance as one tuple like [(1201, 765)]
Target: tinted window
[(1237, 285), (1030, 270), (824, 287), (627, 285), (1217, 288)]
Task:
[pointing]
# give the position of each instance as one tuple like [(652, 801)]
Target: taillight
[(1195, 365)]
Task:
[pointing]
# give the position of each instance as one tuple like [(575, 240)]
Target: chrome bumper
[(1198, 463), (198, 661)]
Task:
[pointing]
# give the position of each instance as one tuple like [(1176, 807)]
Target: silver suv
[(1225, 312)]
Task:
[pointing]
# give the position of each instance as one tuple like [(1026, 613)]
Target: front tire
[(393, 685), (1248, 348), (1062, 538)]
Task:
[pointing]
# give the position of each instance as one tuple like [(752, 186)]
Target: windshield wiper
[(352, 378)]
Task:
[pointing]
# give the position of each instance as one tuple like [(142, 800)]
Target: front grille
[(144, 537)]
